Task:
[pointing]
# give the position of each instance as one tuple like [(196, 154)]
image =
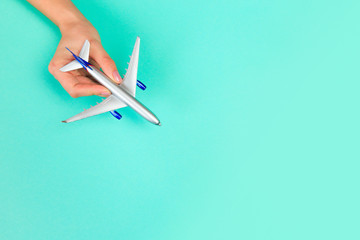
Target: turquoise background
[(259, 102)]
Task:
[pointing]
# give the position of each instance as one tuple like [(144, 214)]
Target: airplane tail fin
[(84, 54)]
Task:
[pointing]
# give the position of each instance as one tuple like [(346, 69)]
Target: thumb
[(99, 54)]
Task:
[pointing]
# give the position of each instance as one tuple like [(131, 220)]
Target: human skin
[(75, 29)]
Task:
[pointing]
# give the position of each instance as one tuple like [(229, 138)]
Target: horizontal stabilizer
[(71, 66), (85, 51)]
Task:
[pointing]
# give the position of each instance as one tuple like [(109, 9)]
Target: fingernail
[(117, 77), (105, 94)]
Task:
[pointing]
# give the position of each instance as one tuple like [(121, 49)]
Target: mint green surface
[(259, 102)]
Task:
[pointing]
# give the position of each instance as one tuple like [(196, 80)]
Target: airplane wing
[(111, 103), (130, 78)]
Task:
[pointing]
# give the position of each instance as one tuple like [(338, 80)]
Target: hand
[(78, 83)]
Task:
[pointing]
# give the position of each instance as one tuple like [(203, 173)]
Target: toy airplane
[(122, 95)]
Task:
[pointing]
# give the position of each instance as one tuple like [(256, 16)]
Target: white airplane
[(122, 95)]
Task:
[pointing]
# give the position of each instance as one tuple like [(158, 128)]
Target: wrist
[(69, 24), (80, 28), (70, 18)]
